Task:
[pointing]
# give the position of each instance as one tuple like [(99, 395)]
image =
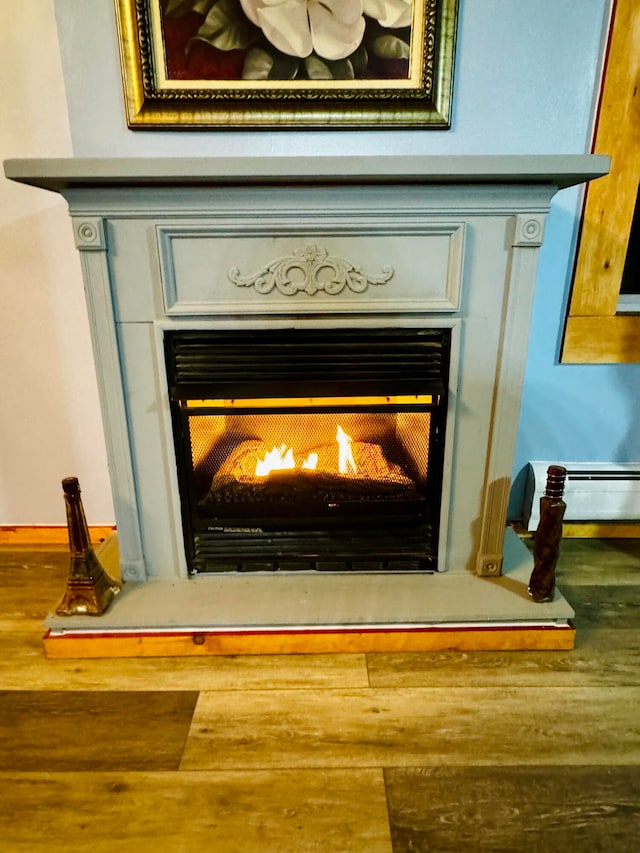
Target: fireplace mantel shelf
[(59, 175)]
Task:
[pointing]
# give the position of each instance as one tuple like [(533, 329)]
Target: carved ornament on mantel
[(309, 270)]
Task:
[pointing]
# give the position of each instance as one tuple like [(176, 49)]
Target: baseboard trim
[(590, 530), (48, 534), (601, 530)]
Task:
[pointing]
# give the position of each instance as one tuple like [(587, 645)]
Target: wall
[(50, 423), (522, 87), (525, 79)]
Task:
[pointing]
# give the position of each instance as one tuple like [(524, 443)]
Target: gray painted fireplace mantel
[(159, 238)]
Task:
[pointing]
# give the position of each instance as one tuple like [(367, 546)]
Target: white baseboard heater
[(594, 491)]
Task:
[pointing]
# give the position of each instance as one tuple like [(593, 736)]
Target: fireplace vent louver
[(309, 363)]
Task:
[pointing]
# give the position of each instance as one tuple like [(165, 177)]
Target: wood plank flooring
[(90, 730), (500, 751), (195, 812), (514, 809)]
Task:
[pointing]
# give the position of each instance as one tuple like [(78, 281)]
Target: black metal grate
[(309, 363), (253, 550), (387, 388)]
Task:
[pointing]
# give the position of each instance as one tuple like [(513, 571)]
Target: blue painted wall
[(579, 413), (526, 75)]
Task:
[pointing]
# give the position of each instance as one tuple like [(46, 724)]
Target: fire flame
[(311, 462), (282, 459), (345, 456), (277, 459)]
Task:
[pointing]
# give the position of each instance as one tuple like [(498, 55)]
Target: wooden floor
[(484, 751)]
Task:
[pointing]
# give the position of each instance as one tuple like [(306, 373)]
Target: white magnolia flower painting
[(287, 39), (287, 63)]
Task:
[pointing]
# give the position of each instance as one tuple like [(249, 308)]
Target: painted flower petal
[(390, 13), (285, 23), (250, 8), (332, 28), (337, 27), (346, 11)]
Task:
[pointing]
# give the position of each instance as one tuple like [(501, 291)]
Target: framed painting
[(287, 63)]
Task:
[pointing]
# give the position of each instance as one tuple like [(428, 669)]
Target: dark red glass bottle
[(546, 551)]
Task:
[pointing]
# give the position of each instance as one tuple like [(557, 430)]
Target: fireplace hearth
[(310, 374)]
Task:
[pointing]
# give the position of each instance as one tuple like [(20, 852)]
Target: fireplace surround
[(393, 293)]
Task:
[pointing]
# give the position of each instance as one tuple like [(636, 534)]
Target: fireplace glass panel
[(341, 482)]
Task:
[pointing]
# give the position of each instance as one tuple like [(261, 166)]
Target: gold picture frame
[(192, 64)]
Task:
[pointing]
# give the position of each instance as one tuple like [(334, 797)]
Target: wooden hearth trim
[(332, 641)]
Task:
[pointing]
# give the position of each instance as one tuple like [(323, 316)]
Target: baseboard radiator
[(594, 492)]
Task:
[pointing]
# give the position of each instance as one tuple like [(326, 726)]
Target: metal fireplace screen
[(309, 450)]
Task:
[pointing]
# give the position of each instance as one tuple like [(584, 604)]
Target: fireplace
[(309, 450), (363, 323)]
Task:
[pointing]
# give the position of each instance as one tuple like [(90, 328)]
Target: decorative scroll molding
[(310, 270), (89, 233)]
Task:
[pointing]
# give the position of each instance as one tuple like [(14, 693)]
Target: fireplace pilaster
[(90, 235)]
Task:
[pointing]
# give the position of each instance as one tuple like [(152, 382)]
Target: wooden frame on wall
[(595, 331), (287, 63)]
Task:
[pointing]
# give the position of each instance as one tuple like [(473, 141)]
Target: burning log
[(375, 479)]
